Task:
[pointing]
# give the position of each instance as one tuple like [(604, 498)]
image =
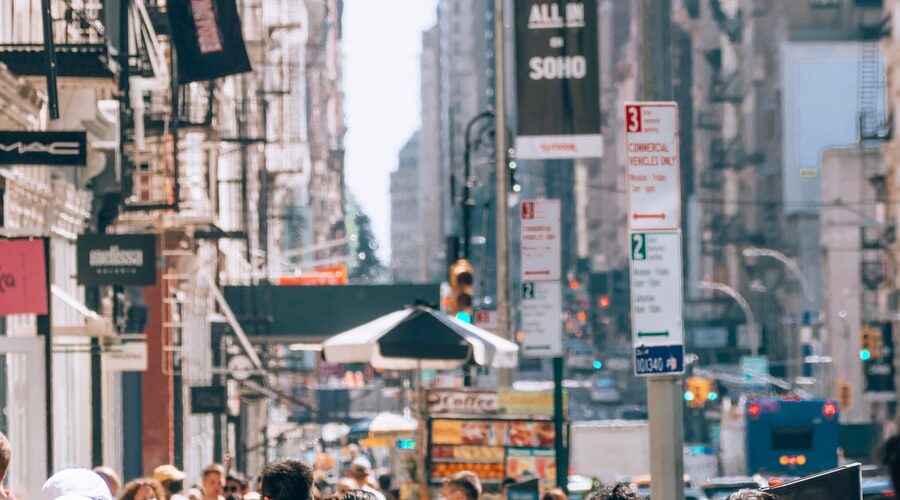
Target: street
[(458, 249)]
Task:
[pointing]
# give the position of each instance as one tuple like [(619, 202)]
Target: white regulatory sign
[(540, 241), (651, 154), (656, 289), (541, 313)]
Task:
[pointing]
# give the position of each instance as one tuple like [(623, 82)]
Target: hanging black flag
[(208, 39), (558, 79)]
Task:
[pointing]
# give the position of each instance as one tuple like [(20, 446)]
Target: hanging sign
[(558, 79), (23, 277), (208, 39), (20, 147)]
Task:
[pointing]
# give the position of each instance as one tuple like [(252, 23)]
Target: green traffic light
[(865, 355), (713, 396), (688, 396), (598, 364), (464, 316)]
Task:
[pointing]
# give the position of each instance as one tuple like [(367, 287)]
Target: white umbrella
[(420, 338), (392, 422)]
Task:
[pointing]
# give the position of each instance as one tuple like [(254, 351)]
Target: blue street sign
[(659, 359)]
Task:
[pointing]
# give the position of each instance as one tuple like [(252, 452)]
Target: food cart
[(497, 435)]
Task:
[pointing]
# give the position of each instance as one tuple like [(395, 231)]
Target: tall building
[(407, 244)]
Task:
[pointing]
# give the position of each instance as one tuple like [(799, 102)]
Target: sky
[(382, 42)]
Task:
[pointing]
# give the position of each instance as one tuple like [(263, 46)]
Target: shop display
[(493, 449)]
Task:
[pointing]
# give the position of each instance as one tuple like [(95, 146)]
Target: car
[(877, 488), (605, 390), (720, 487)]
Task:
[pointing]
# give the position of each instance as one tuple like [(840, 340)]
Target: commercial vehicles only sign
[(541, 250), (652, 159), (656, 302)]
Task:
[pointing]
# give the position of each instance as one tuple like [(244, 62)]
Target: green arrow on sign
[(653, 334)]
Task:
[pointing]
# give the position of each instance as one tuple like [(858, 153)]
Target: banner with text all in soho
[(558, 79)]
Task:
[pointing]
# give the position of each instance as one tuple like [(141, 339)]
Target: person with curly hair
[(143, 488), (614, 492), (751, 495)]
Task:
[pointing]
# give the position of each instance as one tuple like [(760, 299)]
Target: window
[(792, 438)]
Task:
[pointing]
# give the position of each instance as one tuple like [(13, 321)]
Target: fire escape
[(874, 128)]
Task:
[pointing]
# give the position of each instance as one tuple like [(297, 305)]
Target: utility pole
[(664, 398), (503, 309)]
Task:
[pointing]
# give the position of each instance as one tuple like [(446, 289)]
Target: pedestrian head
[(143, 488), (235, 485), (344, 485), (76, 484), (358, 495), (360, 469), (384, 482), (614, 492), (171, 479), (555, 494), (5, 456), (463, 485), (751, 495), (112, 479), (890, 457), (286, 479), (213, 480)]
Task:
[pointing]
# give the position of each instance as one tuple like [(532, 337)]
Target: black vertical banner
[(558, 79), (208, 39)]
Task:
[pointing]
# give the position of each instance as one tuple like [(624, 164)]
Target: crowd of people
[(283, 479)]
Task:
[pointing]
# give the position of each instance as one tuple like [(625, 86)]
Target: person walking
[(361, 473), (751, 495), (213, 482), (286, 479), (75, 484), (143, 488), (614, 492), (236, 486), (172, 481), (109, 475), (463, 485)]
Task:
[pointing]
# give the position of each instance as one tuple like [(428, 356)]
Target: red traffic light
[(754, 410), (603, 302)]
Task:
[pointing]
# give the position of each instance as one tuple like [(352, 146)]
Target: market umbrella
[(387, 422), (420, 338)]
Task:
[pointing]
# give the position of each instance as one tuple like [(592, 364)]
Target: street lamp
[(742, 302), (791, 264)]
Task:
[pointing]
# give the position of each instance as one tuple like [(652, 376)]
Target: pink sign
[(23, 278)]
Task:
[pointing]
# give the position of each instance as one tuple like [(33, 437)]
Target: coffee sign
[(116, 259), (462, 402)]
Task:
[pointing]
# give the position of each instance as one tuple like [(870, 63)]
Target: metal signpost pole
[(663, 392), (503, 306)]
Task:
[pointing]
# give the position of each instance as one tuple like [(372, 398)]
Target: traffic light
[(845, 394), (870, 343), (461, 280), (698, 391)]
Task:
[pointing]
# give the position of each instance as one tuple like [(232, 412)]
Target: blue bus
[(791, 437)]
